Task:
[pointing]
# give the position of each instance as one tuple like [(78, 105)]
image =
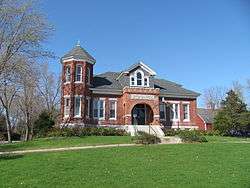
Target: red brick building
[(133, 97)]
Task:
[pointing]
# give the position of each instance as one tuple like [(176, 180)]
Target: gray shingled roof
[(206, 114), (78, 53), (108, 81)]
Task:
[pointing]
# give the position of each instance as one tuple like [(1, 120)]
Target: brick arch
[(153, 106), (148, 114)]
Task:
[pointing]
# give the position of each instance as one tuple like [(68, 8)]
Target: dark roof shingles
[(109, 81)]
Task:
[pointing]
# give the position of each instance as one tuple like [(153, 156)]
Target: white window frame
[(134, 75), (67, 74), (88, 75), (188, 108), (80, 106), (98, 108), (76, 73), (113, 100), (164, 110), (88, 110), (132, 83), (67, 97), (146, 78), (174, 103)]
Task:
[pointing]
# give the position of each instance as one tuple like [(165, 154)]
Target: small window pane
[(77, 106), (186, 111), (162, 111), (78, 73), (101, 109), (139, 79), (112, 106), (95, 107), (67, 74)]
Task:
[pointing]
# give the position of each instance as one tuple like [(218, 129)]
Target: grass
[(227, 139), (177, 166), (65, 142)]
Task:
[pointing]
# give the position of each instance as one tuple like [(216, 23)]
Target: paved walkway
[(65, 149)]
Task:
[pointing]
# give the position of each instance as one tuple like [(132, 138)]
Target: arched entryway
[(142, 114)]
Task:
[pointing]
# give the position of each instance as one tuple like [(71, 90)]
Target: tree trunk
[(8, 125)]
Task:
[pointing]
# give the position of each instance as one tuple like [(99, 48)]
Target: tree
[(213, 96), (43, 124), (238, 88), (49, 88), (23, 29), (228, 119)]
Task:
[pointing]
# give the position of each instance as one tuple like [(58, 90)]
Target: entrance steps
[(150, 129)]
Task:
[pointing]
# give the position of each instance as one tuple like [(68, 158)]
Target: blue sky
[(196, 43)]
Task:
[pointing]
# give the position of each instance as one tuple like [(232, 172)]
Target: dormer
[(139, 75)]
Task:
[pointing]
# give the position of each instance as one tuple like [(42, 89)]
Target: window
[(174, 112), (139, 78), (88, 75), (145, 81), (132, 81), (78, 76), (66, 106), (99, 109), (95, 108), (162, 111), (87, 106), (67, 74), (112, 109), (77, 110), (186, 112)]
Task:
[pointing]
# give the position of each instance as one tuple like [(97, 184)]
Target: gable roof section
[(78, 53), (143, 66), (108, 82), (206, 114)]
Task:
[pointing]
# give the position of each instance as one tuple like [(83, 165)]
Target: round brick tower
[(77, 78)]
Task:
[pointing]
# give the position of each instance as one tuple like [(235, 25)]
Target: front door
[(138, 114)]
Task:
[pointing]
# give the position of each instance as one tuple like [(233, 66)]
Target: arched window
[(139, 78)]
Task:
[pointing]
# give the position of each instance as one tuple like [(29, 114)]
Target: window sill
[(78, 82), (77, 117), (186, 120), (114, 119), (65, 83)]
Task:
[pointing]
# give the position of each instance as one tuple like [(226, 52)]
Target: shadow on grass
[(10, 156)]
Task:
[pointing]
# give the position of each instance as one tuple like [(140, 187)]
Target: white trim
[(76, 74), (66, 74), (156, 116), (113, 118), (178, 112), (66, 97), (184, 127), (185, 102), (89, 75), (113, 99), (98, 108), (80, 107), (164, 108), (188, 108), (142, 78), (88, 110), (74, 59), (172, 102)]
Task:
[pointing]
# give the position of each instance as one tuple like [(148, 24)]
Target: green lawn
[(65, 142), (226, 139), (181, 165)]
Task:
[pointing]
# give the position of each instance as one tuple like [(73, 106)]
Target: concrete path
[(65, 149)]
